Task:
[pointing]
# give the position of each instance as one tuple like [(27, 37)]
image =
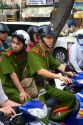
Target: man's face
[(16, 45), (35, 38), (3, 35), (49, 41), (72, 29)]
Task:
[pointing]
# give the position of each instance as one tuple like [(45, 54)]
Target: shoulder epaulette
[(9, 52), (43, 54), (36, 50)]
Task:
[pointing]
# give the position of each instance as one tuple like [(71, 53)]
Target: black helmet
[(45, 30), (71, 23), (4, 27), (31, 31)]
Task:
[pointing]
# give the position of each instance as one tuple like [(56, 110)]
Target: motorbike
[(29, 113), (76, 87), (33, 111)]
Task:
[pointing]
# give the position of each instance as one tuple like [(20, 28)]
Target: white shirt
[(3, 97), (76, 56)]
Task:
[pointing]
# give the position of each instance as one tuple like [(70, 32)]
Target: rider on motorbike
[(39, 65)]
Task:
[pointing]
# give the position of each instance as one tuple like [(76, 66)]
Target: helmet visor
[(3, 32)]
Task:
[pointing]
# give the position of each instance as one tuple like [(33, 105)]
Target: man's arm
[(9, 103), (6, 104), (16, 81), (48, 74), (61, 68)]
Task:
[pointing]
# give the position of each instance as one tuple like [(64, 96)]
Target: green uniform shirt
[(3, 46), (12, 63), (38, 60)]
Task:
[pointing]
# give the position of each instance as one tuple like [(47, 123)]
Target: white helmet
[(23, 35)]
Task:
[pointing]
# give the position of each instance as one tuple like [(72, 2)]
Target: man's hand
[(24, 95), (8, 110), (65, 79), (71, 74), (17, 83)]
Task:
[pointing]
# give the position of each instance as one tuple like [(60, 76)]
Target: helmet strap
[(44, 43)]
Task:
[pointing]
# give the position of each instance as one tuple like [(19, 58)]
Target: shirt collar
[(41, 50)]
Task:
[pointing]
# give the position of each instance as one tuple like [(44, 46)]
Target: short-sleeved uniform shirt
[(12, 62), (37, 60)]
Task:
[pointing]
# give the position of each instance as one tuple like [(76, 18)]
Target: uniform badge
[(36, 50), (43, 54), (9, 52)]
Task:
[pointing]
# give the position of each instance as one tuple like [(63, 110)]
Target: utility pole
[(22, 5), (20, 10), (1, 6)]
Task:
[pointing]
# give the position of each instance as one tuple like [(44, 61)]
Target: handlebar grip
[(1, 113), (16, 109), (1, 116)]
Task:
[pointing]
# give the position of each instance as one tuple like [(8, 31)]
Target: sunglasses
[(3, 32)]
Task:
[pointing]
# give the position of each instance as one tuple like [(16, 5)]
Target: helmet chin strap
[(45, 43)]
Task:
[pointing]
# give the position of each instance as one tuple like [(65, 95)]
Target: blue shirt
[(4, 46)]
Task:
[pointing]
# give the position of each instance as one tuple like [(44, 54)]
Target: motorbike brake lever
[(16, 115)]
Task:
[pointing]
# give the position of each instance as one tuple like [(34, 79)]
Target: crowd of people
[(28, 56)]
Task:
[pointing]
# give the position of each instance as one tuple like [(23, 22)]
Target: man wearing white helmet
[(13, 64), (76, 52), (5, 104)]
